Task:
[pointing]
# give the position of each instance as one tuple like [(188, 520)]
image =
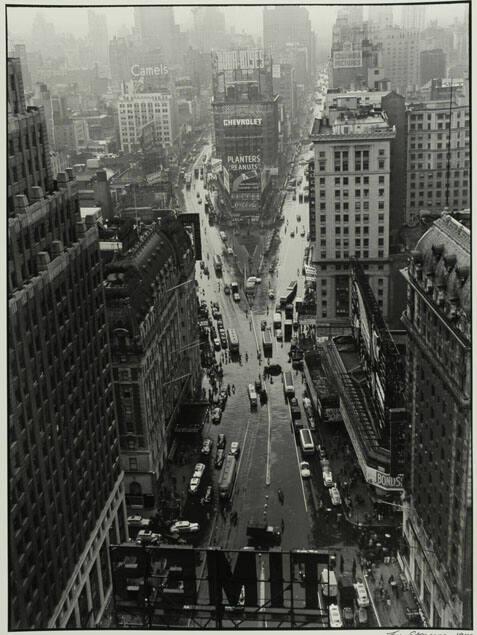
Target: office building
[(432, 65), (66, 498), (437, 525), (20, 52), (28, 148), (153, 327), (350, 205), (42, 98), (245, 112), (136, 109), (400, 58), (438, 154)]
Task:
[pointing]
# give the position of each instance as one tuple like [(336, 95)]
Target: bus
[(288, 386), (277, 321), (267, 343), (188, 180), (306, 442), (227, 477), (218, 263), (233, 340), (252, 395)]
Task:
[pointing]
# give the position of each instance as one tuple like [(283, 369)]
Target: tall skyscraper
[(413, 17), (209, 28), (156, 27), (437, 522), (98, 37), (289, 26), (400, 58), (66, 498), (350, 205)]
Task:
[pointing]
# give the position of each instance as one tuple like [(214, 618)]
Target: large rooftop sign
[(182, 585)]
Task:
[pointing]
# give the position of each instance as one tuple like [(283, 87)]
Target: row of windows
[(357, 219), (344, 180), (346, 254)]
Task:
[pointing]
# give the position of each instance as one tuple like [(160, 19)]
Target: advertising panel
[(383, 480), (347, 59), (240, 59)]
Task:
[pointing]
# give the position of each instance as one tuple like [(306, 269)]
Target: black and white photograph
[(238, 325)]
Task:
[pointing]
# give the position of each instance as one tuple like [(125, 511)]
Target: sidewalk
[(390, 601)]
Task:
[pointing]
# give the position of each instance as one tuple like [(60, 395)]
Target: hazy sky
[(20, 19)]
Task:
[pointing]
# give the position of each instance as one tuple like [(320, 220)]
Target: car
[(335, 495), (206, 270), (302, 233), (298, 217), (207, 498), (202, 265), (305, 469), (207, 446), (146, 536), (236, 297), (221, 441), (362, 598), (327, 478), (216, 343), (194, 484), (321, 452), (216, 415), (223, 341), (198, 194), (271, 294), (278, 335), (219, 458), (325, 464), (230, 251), (213, 332), (234, 448), (335, 617), (292, 234), (184, 527), (227, 289), (200, 201), (199, 470), (311, 421), (362, 617), (348, 616), (294, 196), (263, 325)]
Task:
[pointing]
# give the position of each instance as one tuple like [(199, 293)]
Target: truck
[(289, 312), (346, 592), (288, 327), (289, 294), (288, 386), (227, 477), (262, 534), (267, 343)]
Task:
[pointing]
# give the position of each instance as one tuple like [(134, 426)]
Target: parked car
[(206, 446), (305, 469), (219, 458), (227, 289), (348, 616), (184, 527), (234, 448), (302, 233), (216, 415), (221, 441), (236, 297), (202, 265)]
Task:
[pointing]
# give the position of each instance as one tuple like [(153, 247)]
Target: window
[(381, 180), (133, 464)]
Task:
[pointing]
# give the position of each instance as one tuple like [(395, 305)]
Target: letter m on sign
[(222, 579)]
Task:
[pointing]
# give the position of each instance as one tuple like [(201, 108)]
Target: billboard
[(166, 584), (347, 59), (383, 480), (240, 59)]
